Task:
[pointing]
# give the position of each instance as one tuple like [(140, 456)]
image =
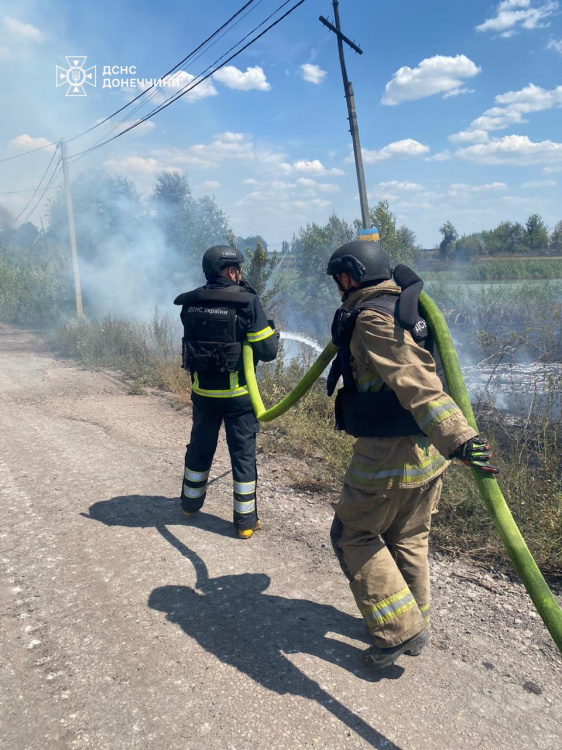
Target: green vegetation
[(508, 238), (34, 291), (501, 269)]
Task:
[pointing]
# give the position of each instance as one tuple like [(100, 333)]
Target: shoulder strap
[(225, 295), (385, 303)]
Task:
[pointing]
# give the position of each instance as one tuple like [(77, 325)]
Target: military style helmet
[(363, 260), (221, 256)]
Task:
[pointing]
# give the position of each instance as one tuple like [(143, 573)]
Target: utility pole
[(352, 115), (44, 235), (71, 232)]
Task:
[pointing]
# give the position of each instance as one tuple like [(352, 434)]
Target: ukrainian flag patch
[(371, 234)]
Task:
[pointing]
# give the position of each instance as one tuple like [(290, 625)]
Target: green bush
[(33, 293)]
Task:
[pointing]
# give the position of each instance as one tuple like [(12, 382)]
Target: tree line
[(508, 238), (156, 243)]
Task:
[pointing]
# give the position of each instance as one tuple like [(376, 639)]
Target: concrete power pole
[(72, 232), (352, 114)]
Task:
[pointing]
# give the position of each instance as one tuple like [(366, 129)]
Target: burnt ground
[(126, 626)]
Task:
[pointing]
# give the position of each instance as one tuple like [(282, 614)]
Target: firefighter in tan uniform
[(408, 428)]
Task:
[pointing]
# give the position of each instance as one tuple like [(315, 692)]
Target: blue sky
[(459, 107)]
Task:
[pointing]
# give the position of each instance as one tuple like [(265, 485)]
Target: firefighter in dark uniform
[(217, 318)]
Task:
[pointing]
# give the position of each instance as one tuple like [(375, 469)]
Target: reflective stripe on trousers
[(381, 541), (241, 429), (380, 613), (194, 488), (244, 497)]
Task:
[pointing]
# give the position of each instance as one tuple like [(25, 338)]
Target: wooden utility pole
[(44, 235), (352, 114), (71, 232)]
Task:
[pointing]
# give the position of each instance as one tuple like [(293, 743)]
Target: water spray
[(301, 339)]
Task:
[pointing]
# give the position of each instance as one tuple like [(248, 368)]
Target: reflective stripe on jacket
[(251, 324)]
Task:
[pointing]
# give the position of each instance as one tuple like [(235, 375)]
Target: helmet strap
[(340, 286)]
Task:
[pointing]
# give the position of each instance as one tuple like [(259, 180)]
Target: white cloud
[(456, 92), (406, 147), (325, 187), (539, 184), (397, 185), (519, 150), (225, 146), (306, 166), (531, 98), (556, 45), (510, 109), (444, 155), (469, 136), (133, 164), (315, 203), (512, 15), (250, 181), (233, 78), (461, 187), (281, 197), (22, 31), (551, 170), (209, 185), (312, 73), (523, 200), (27, 142), (434, 75), (181, 78)]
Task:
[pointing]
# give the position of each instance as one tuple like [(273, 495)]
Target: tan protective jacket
[(385, 357)]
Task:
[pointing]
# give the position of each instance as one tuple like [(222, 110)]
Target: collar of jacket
[(357, 297), (219, 282)]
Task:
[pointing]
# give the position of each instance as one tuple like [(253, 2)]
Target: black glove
[(476, 452)]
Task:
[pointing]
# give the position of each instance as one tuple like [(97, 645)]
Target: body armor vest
[(374, 414), (211, 342)]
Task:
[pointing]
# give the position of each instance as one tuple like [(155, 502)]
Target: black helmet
[(221, 256), (363, 260)]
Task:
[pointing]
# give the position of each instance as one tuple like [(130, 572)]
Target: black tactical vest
[(374, 414), (210, 342)]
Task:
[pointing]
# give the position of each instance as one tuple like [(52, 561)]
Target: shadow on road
[(153, 510), (232, 618)]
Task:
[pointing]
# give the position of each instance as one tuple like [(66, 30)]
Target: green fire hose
[(522, 560), (266, 415)]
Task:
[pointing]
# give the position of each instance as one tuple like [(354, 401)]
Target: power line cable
[(189, 87), (14, 192), (56, 172), (172, 70), (25, 153), (177, 70), (34, 192), (192, 84)]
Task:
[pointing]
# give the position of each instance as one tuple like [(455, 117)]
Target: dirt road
[(125, 626)]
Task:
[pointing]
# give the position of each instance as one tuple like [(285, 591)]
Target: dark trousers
[(241, 430)]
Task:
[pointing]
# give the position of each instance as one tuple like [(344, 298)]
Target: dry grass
[(147, 353)]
